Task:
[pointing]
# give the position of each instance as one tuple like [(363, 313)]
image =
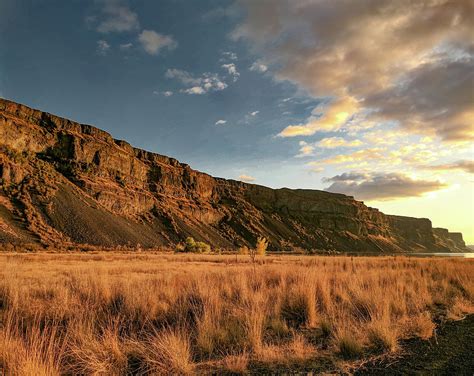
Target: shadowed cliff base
[(65, 183)]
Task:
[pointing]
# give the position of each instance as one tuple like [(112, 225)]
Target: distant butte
[(68, 183)]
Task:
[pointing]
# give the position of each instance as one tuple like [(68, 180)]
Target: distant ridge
[(62, 182)]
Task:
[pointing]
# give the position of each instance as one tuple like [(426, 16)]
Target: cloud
[(364, 155), (116, 17), (228, 55), (258, 67), (231, 70), (221, 122), (196, 90), (306, 150), (126, 46), (407, 62), (153, 42), (332, 119), (246, 178), (464, 165), (380, 186), (102, 47), (203, 84), (254, 113), (336, 142), (164, 93)]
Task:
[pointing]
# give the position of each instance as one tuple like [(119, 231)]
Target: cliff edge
[(62, 182)]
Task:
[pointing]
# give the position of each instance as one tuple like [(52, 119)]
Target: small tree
[(261, 247), (259, 250)]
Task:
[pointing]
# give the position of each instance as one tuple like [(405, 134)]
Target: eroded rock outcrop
[(69, 182)]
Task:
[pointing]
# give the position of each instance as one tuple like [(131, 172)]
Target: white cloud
[(246, 178), (164, 93), (258, 67), (231, 70), (116, 17), (221, 122), (102, 47), (126, 46), (228, 55), (254, 113), (203, 84), (153, 42), (197, 90)]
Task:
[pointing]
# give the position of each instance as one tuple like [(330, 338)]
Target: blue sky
[(53, 61), (282, 93)]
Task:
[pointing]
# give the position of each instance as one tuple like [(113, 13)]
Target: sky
[(373, 98)]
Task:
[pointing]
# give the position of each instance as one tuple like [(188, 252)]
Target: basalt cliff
[(62, 182)]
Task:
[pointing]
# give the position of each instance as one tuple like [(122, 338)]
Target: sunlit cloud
[(246, 178), (331, 118), (411, 62), (381, 186), (463, 165), (337, 142)]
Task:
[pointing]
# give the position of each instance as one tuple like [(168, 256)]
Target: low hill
[(68, 183)]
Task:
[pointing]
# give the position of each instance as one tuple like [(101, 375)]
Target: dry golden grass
[(145, 313)]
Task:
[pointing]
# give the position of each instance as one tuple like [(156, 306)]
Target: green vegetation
[(192, 246)]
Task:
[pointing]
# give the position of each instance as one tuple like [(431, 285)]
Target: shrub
[(244, 250), (193, 246)]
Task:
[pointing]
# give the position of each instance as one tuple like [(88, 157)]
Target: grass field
[(112, 313)]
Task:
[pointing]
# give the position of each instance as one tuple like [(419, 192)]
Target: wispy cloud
[(228, 55), (337, 142), (220, 122), (231, 70), (153, 42), (258, 67), (207, 82), (116, 16), (102, 47), (464, 165), (126, 46), (254, 113), (167, 93)]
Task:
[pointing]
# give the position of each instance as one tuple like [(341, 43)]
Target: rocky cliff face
[(65, 182)]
